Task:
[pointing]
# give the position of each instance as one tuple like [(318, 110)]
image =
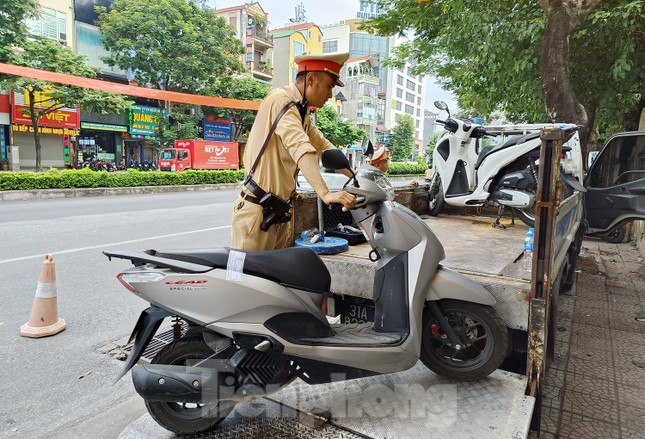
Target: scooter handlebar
[(359, 201)]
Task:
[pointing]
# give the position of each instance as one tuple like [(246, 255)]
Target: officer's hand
[(345, 198)]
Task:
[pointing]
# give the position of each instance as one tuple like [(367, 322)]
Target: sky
[(324, 12)]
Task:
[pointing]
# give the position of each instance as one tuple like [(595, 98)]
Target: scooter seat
[(297, 267), (512, 141)]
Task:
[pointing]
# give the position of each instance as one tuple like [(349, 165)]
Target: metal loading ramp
[(412, 404)]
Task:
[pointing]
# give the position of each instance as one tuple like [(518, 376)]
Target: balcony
[(370, 79), (366, 121), (262, 70), (261, 36), (364, 99)]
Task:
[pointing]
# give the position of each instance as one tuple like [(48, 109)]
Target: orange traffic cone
[(44, 319)]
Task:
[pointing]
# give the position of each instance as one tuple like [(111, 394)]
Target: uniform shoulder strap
[(271, 131)]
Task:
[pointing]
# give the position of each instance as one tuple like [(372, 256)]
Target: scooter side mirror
[(335, 159), (441, 105), (367, 147)]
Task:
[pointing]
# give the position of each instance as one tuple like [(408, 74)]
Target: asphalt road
[(53, 386)]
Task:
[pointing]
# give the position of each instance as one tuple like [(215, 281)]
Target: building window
[(411, 85), (298, 48), (399, 79), (418, 112), (420, 88), (399, 93), (409, 97), (409, 109), (50, 24), (417, 124), (330, 46), (397, 105)]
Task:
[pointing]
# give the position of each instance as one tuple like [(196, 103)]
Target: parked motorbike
[(255, 321), (466, 175), (97, 165)]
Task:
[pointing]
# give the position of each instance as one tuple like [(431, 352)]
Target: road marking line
[(93, 247)]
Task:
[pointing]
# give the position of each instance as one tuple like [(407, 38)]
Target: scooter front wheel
[(483, 336), (435, 197), (183, 418)]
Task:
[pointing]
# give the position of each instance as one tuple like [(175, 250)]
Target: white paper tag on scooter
[(235, 265)]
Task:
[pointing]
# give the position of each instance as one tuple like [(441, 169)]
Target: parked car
[(334, 180)]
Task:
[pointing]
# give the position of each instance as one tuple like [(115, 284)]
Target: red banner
[(63, 118), (55, 119)]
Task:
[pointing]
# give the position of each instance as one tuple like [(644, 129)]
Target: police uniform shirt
[(277, 168)]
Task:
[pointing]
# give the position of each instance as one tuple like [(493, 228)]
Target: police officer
[(294, 146)]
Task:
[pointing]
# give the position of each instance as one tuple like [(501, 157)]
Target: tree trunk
[(562, 17), (632, 118), (34, 123)]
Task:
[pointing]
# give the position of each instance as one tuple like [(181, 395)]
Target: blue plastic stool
[(331, 245)]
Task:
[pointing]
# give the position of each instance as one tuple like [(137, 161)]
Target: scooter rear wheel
[(526, 216), (484, 336), (182, 418)]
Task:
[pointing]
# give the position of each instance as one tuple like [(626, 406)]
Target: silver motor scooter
[(255, 321)]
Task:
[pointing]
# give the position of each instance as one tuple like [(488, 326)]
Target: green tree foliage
[(12, 24), (238, 88), (402, 139), (175, 45), (337, 131), (430, 146), (578, 61), (170, 44), (46, 97), (182, 124)]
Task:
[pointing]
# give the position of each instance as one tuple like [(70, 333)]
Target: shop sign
[(108, 157), (144, 120), (3, 144), (217, 129), (61, 118), (105, 119), (44, 130), (103, 127)]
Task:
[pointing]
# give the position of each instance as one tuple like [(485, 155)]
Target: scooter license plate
[(355, 312)]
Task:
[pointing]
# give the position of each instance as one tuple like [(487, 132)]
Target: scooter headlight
[(378, 177)]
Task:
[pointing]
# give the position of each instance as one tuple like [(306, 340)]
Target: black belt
[(250, 198)]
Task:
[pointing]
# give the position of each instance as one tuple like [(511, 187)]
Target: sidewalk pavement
[(595, 387)]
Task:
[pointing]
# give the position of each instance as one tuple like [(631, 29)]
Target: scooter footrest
[(356, 335)]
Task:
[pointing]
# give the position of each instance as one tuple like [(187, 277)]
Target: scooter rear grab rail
[(139, 258)]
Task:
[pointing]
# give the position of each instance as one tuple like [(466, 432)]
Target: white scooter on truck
[(465, 175), (255, 321)]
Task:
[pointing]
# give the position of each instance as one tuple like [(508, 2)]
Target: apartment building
[(400, 91), (250, 24), (289, 42)]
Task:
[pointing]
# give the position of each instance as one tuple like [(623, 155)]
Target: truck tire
[(569, 272), (617, 235), (485, 341)]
